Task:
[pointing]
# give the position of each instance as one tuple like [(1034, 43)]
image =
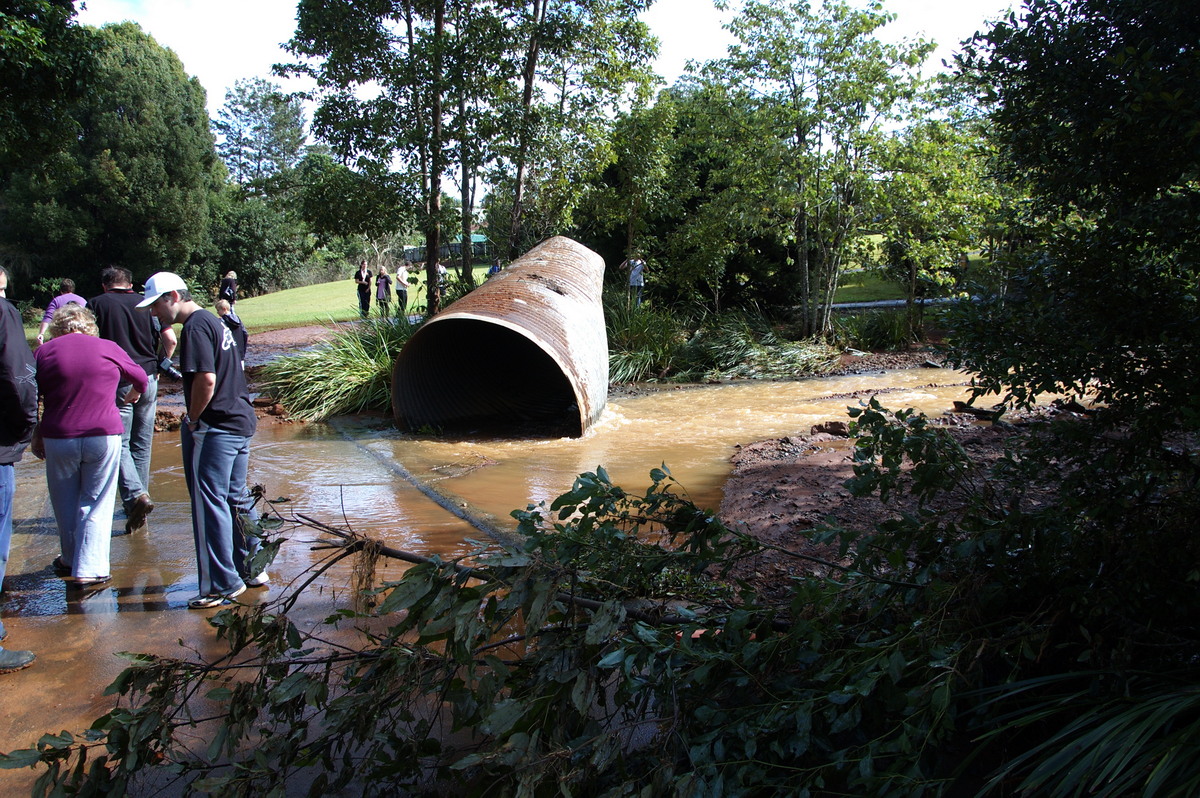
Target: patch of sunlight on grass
[(324, 302), (866, 286)]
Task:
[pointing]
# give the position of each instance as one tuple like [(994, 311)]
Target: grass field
[(321, 303), (866, 286)]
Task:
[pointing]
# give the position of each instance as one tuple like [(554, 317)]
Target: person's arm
[(169, 341), (131, 373), (204, 384), (46, 317)]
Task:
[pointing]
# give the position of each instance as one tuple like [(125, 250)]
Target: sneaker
[(215, 599), (15, 660), (138, 510), (258, 581)]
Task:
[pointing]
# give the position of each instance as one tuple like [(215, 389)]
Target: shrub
[(347, 373), (875, 330)]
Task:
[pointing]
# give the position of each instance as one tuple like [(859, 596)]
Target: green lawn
[(338, 301), (321, 303), (866, 286)]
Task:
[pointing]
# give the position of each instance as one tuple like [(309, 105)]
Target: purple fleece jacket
[(77, 376)]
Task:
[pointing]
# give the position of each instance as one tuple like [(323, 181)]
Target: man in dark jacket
[(138, 334), (18, 415)]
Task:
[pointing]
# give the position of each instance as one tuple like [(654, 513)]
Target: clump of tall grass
[(875, 330), (643, 344), (347, 373), (744, 346)]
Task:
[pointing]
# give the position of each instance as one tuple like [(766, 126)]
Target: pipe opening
[(469, 374)]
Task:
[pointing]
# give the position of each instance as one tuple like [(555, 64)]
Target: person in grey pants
[(215, 439), (138, 333)]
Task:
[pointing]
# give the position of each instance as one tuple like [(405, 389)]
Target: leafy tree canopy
[(1089, 110), (45, 64), (261, 130), (133, 187)]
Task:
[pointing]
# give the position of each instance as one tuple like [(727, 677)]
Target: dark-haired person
[(138, 333), (66, 296), (18, 415), (79, 437), (215, 436), (362, 278)]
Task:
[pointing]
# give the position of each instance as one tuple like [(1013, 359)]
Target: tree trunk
[(524, 130), (468, 196), (433, 229)]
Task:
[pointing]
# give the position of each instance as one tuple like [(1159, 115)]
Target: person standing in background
[(228, 289), (362, 278), (402, 288), (215, 436), (119, 321), (383, 290), (66, 295), (241, 336), (637, 276), (18, 416)]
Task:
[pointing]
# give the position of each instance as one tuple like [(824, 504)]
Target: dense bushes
[(348, 373), (650, 344)]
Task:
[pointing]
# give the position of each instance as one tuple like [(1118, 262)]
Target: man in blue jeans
[(138, 333), (18, 414), (215, 436)]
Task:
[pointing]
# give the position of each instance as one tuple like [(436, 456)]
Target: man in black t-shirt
[(215, 436), (119, 321)]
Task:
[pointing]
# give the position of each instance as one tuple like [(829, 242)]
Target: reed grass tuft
[(347, 373)]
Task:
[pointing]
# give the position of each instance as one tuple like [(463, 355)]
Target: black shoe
[(60, 567), (15, 660), (138, 510), (88, 581)]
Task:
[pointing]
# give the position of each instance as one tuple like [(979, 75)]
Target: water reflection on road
[(343, 474)]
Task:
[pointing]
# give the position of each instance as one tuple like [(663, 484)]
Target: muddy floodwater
[(346, 474)]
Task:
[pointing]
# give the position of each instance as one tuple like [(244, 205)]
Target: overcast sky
[(222, 41)]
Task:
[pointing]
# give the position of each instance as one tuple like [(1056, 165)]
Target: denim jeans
[(81, 474), (214, 466), (138, 420), (8, 481)]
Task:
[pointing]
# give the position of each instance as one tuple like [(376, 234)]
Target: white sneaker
[(215, 599), (258, 581)]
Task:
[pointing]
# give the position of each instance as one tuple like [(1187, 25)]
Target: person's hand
[(132, 396), (38, 446)]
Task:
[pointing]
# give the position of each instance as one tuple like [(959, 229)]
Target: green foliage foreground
[(607, 651)]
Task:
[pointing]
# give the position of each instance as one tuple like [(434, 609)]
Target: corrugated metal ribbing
[(526, 348)]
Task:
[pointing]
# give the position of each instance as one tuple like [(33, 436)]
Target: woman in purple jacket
[(79, 437)]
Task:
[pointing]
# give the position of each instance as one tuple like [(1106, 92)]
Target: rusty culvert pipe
[(526, 351)]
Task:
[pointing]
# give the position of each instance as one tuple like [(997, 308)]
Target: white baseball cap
[(159, 284)]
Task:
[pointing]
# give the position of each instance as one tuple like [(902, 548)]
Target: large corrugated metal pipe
[(524, 353)]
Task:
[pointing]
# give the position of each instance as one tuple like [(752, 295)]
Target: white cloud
[(218, 41)]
